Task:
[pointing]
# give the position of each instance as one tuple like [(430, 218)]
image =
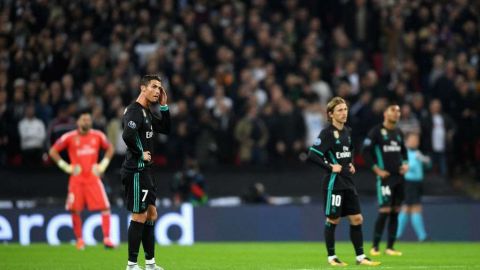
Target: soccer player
[(85, 185), (139, 124), (413, 189), (385, 153), (333, 152)]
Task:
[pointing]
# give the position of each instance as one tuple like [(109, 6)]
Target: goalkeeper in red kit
[(85, 186)]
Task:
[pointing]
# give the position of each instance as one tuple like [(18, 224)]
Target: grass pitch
[(239, 256)]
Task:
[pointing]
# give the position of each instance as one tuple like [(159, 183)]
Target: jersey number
[(145, 191), (336, 200), (386, 191)]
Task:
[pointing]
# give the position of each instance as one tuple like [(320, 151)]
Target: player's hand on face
[(352, 168), (336, 168), (163, 96), (147, 156)]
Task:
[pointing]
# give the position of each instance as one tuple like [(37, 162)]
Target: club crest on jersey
[(144, 113), (383, 132), (132, 124), (367, 142), (317, 142), (336, 134)]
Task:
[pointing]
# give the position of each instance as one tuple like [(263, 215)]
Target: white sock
[(131, 263), (152, 261), (361, 257), (330, 258)]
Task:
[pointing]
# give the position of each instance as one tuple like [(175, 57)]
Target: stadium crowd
[(247, 80)]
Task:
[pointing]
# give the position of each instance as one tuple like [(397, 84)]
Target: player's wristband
[(163, 108), (102, 166), (62, 164)]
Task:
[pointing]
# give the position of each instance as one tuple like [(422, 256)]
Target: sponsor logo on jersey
[(345, 154), (393, 147), (340, 155), (132, 124), (86, 150)]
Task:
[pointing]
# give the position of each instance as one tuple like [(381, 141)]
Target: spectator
[(408, 122), (3, 128), (257, 53), (61, 124), (32, 137), (252, 136), (256, 194), (188, 185), (438, 130)]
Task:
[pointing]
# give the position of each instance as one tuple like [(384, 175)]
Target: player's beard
[(84, 129)]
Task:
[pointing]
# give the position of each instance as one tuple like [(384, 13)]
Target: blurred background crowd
[(248, 81)]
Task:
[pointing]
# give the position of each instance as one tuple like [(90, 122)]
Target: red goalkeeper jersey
[(83, 150)]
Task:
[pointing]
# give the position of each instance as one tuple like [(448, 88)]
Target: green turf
[(241, 256)]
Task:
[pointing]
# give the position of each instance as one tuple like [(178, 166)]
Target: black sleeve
[(368, 148), (352, 148), (161, 125), (403, 150), (132, 121), (318, 151)]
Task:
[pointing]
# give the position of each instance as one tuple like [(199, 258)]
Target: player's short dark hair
[(82, 112), (391, 103), (150, 77)]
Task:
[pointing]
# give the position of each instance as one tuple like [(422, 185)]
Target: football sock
[(330, 237), (77, 225), (402, 223), (148, 239), (379, 225), (417, 223), (135, 231), (392, 229), (356, 237), (106, 225)]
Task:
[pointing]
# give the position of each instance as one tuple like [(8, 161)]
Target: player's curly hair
[(332, 104)]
